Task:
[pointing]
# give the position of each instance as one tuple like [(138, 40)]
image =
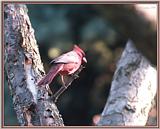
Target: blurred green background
[(102, 31)]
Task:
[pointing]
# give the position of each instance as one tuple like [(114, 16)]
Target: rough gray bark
[(24, 68), (132, 91)]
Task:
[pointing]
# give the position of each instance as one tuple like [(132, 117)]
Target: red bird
[(66, 64)]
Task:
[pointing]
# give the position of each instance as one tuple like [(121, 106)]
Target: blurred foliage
[(102, 31)]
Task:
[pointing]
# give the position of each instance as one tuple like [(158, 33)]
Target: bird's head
[(81, 52)]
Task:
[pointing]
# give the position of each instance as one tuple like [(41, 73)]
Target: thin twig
[(68, 83)]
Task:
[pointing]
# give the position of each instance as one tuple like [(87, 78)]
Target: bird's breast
[(69, 68)]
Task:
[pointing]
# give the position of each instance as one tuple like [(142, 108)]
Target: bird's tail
[(51, 74)]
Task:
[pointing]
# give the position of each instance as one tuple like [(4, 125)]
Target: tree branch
[(24, 67), (132, 91), (68, 82)]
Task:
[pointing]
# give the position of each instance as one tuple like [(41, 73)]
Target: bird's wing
[(70, 57)]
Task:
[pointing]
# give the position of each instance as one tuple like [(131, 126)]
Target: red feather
[(51, 74), (65, 64)]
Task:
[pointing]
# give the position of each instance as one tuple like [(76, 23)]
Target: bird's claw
[(53, 99), (63, 85), (75, 76), (49, 90)]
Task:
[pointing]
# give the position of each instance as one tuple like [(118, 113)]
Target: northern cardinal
[(66, 64)]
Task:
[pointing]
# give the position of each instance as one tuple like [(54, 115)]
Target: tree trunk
[(24, 68), (132, 91)]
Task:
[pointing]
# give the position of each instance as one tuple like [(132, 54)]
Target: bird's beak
[(84, 59)]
